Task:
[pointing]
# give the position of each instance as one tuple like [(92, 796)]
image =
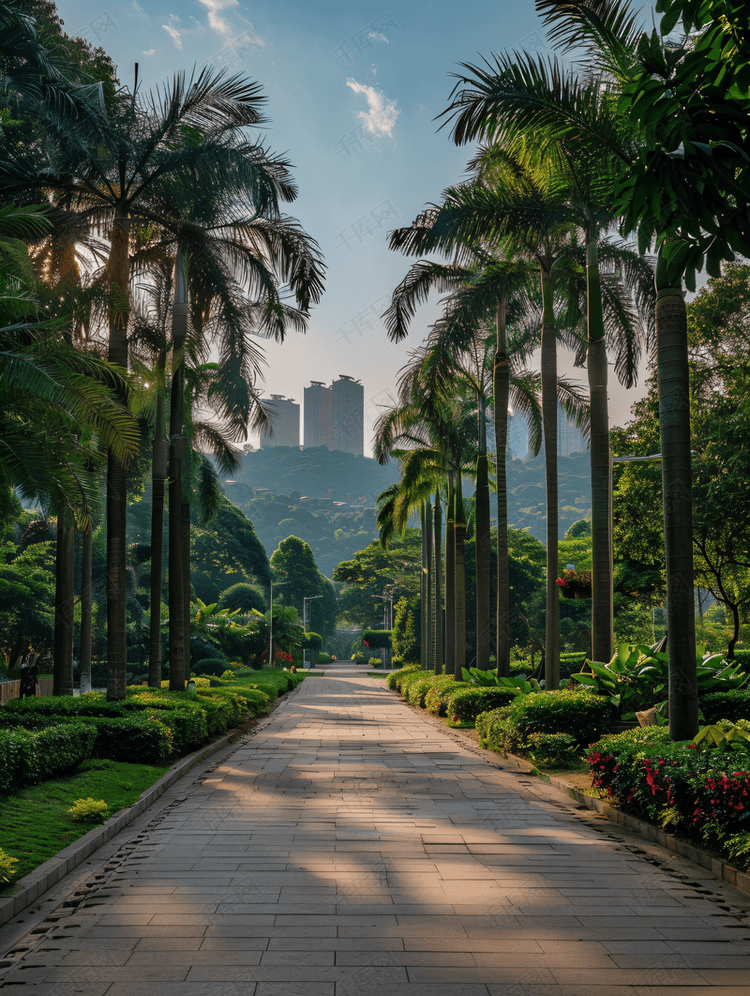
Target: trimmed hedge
[(377, 639), (467, 703), (733, 704), (583, 715), (492, 728), (395, 680), (436, 699), (30, 756)]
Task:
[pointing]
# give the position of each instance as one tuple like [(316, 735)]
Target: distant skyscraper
[(318, 415), (569, 438), (348, 415), (284, 415), (518, 436)]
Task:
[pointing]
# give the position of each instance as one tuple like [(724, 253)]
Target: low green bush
[(395, 679), (492, 729), (214, 666), (8, 866), (436, 699), (465, 704), (89, 811), (552, 750), (733, 704), (31, 756), (582, 714)]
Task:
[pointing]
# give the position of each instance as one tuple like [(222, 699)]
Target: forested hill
[(327, 498)]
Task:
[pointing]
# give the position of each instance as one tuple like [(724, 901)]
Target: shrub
[(212, 665), (466, 703), (396, 677), (415, 691), (31, 756), (733, 704), (436, 699), (700, 789), (135, 739), (89, 811), (492, 729), (7, 866), (552, 750), (581, 714), (375, 662)]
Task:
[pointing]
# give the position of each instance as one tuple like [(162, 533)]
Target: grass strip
[(35, 822)]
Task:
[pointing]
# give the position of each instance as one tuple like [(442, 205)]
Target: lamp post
[(305, 600), (387, 617)]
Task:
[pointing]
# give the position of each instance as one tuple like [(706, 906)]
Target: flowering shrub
[(702, 790)]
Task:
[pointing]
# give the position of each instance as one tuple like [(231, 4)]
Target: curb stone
[(31, 887)]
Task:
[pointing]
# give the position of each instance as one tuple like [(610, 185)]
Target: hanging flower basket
[(575, 584)]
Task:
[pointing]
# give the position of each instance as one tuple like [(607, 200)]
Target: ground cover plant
[(36, 819)]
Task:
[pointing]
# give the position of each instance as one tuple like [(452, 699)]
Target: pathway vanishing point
[(350, 848)]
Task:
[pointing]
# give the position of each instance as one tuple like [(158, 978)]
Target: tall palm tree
[(682, 186), (435, 438), (134, 171), (533, 105)]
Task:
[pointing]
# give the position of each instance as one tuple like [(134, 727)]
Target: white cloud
[(174, 34), (377, 36), (217, 22), (149, 51), (381, 115)]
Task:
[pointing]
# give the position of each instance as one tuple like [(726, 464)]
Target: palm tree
[(681, 196), (134, 172), (525, 102)]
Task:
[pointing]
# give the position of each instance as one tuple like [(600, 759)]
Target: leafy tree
[(226, 551), (243, 597), (294, 569), (375, 571), (27, 596)]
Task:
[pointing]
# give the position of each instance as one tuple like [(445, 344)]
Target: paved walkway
[(349, 848)]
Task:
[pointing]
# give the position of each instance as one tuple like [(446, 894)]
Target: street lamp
[(387, 617), (305, 600)]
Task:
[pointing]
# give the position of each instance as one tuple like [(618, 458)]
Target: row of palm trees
[(166, 192), (568, 153)]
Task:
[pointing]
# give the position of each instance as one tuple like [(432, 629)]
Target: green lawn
[(35, 825)]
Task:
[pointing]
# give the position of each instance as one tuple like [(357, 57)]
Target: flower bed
[(701, 791)]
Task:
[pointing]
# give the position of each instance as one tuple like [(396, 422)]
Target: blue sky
[(353, 90)]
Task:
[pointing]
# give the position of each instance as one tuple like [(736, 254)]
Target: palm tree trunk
[(117, 505), (450, 581), (674, 418), (500, 393), (423, 588), (438, 621), (87, 601), (602, 636), (186, 587), (460, 535), (549, 417), (177, 649), (483, 545), (158, 478), (427, 631), (64, 597)]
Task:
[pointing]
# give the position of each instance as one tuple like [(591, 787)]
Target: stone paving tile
[(349, 849)]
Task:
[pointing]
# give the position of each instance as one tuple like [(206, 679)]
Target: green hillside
[(327, 498)]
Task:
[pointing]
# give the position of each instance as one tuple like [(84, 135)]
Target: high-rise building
[(318, 415), (569, 437), (284, 415), (348, 415)]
